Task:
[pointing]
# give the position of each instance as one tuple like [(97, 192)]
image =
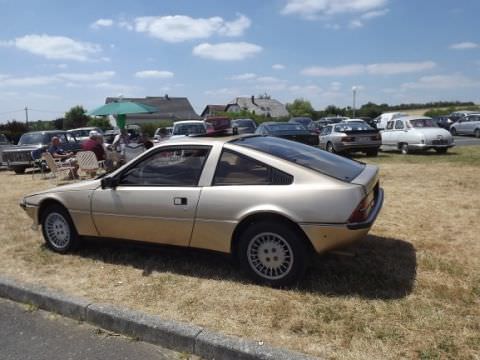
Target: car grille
[(440, 142), (17, 156)]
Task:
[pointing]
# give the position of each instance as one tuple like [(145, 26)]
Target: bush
[(102, 123), (148, 129)]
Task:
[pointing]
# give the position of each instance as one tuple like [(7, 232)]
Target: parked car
[(334, 119), (244, 126), (468, 125), (19, 157), (305, 121), (167, 132), (416, 133), (381, 121), (287, 130), (83, 133), (188, 127), (4, 142), (259, 202), (443, 121), (218, 124), (457, 115), (318, 125), (350, 136)]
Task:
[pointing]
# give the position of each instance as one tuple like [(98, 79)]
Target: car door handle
[(180, 201)]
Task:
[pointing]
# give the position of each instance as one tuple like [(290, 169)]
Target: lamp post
[(354, 92)]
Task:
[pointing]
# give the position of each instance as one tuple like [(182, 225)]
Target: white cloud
[(245, 76), (27, 81), (118, 88), (228, 51), (125, 25), (335, 85), (178, 28), (374, 14), (355, 24), (278, 66), (154, 74), (466, 45), (442, 82), (55, 47), (87, 77), (101, 23), (372, 69), (222, 92), (314, 8)]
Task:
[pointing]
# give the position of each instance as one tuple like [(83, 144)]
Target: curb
[(172, 335)]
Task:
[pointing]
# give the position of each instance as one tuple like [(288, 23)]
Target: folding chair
[(88, 163), (38, 162), (57, 168)]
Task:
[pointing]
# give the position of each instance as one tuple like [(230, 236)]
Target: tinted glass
[(390, 125), (423, 123), (308, 156), (399, 124), (189, 129), (244, 123), (353, 126), (179, 166), (285, 127), (305, 121), (235, 169)]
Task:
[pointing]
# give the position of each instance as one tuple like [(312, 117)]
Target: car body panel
[(364, 140), (302, 135), (466, 125)]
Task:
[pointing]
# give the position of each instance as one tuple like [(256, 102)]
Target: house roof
[(260, 105), (169, 108), (212, 109)]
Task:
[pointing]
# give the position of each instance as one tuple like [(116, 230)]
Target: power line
[(11, 111)]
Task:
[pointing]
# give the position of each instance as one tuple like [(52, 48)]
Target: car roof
[(46, 132), (188, 122), (411, 117), (205, 140), (84, 128)]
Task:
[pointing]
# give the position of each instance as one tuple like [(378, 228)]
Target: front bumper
[(31, 210)]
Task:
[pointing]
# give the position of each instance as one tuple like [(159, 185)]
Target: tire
[(404, 149), (477, 133), (441, 150), (453, 131), (19, 170), (372, 152), (275, 244), (58, 230), (330, 148)]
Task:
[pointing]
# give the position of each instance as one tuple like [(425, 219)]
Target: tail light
[(348, 139), (363, 209), (376, 137)]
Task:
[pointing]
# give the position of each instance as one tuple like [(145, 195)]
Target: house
[(263, 105), (169, 108), (212, 110)]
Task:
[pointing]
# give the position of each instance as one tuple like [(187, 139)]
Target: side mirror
[(109, 182)]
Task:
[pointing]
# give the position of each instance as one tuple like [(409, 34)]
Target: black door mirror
[(109, 182)]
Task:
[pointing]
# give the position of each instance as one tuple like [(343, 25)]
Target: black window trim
[(270, 168), (156, 151)]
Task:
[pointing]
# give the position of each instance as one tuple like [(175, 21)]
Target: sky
[(56, 54)]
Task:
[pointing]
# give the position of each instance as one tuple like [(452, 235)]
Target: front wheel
[(372, 152), (19, 170), (330, 148), (58, 230), (441, 150), (453, 131), (477, 133), (404, 149), (273, 254)]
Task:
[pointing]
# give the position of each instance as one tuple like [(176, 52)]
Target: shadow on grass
[(381, 268)]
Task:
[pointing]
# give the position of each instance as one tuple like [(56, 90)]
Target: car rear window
[(353, 126), (308, 156)]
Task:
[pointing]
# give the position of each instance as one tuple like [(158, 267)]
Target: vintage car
[(19, 157), (188, 127), (269, 202), (244, 126), (287, 130), (4, 142), (415, 133), (82, 134), (467, 125), (350, 136)]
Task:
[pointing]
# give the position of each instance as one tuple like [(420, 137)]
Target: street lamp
[(354, 92)]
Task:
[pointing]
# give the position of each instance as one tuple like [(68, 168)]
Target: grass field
[(412, 290)]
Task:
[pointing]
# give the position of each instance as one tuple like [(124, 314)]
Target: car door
[(470, 124), (323, 136), (155, 199), (461, 125), (388, 135)]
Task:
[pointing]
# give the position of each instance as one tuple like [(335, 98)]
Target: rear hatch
[(309, 139)]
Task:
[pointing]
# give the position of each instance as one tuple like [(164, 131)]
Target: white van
[(381, 121)]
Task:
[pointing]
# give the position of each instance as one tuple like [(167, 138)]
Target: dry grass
[(412, 291)]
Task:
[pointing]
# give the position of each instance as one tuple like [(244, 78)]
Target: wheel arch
[(44, 204), (265, 216)]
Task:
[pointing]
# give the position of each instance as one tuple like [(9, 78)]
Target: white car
[(415, 133), (188, 127), (468, 125), (382, 120)]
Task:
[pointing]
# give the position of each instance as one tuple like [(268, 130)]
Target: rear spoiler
[(368, 178)]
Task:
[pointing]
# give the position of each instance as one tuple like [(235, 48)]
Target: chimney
[(253, 99)]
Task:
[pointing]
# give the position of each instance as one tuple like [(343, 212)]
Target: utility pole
[(354, 91), (26, 116)]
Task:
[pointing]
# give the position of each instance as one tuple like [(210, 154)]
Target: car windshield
[(3, 139), (33, 139), (81, 133), (353, 126), (302, 120), (285, 127), (423, 123), (244, 123), (310, 157), (189, 129)]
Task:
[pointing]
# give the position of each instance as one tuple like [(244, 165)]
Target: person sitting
[(57, 152), (94, 143)]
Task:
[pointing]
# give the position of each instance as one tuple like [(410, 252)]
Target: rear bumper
[(430, 146), (357, 147)]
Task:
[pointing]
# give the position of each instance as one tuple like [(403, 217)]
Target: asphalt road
[(26, 333), (466, 140)]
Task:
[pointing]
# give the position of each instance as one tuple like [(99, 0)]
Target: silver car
[(350, 136), (468, 125), (269, 202), (416, 133)]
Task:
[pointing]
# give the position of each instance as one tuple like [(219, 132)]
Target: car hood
[(433, 133), (82, 185), (23, 147)]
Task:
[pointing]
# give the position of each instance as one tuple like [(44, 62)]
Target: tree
[(58, 123), (75, 117), (102, 123), (13, 130), (301, 107)]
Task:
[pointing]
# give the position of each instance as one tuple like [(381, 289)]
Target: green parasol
[(120, 109)]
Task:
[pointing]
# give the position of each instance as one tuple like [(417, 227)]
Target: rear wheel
[(404, 149), (19, 170), (330, 148), (441, 150), (477, 133), (272, 254), (372, 152), (453, 131), (58, 230)]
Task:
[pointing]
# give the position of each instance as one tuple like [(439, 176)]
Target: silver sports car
[(269, 202)]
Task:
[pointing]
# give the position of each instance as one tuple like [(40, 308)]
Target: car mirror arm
[(109, 182)]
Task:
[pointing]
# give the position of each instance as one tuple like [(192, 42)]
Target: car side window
[(237, 169), (173, 166), (390, 125), (399, 125)]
